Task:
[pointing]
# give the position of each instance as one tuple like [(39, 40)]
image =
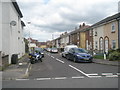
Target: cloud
[(48, 16)]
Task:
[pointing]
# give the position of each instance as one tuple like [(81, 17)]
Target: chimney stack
[(83, 24)]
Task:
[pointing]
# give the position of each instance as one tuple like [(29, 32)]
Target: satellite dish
[(13, 23)]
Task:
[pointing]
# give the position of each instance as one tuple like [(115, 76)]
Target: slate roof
[(116, 16)]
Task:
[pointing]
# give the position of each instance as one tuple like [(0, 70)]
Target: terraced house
[(78, 36), (105, 34)]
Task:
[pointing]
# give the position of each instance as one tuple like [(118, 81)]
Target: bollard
[(105, 56)]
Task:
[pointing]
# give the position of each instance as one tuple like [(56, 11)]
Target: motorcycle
[(35, 57), (38, 57)]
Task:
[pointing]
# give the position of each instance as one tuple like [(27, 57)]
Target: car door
[(71, 53)]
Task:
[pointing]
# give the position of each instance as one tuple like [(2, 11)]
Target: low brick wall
[(0, 60), (5, 61)]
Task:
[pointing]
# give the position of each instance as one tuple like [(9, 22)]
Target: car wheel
[(62, 55), (74, 59)]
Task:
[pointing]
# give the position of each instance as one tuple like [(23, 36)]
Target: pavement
[(18, 71), (106, 62)]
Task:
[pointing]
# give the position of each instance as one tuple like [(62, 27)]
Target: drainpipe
[(118, 32)]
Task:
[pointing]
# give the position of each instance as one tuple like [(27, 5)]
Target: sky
[(50, 18)]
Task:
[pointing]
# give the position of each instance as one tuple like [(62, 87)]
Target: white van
[(67, 48)]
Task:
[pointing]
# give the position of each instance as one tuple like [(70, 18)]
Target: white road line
[(22, 79), (42, 78), (118, 73), (78, 70), (60, 78), (26, 72), (78, 77), (92, 74), (60, 60), (88, 75), (112, 76), (107, 73), (52, 57)]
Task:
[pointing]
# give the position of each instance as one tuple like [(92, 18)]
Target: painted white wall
[(65, 40), (10, 42), (5, 28), (100, 33), (57, 45), (0, 26)]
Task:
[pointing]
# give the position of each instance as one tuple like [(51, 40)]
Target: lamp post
[(29, 35), (52, 39)]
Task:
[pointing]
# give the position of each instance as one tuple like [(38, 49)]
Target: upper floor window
[(95, 33), (18, 31), (113, 27), (78, 36), (96, 45), (90, 33)]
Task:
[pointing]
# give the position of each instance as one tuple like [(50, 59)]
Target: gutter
[(17, 8)]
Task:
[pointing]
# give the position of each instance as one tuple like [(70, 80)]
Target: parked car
[(67, 48), (54, 50), (79, 55), (48, 49)]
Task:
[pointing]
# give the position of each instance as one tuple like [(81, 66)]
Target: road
[(58, 72)]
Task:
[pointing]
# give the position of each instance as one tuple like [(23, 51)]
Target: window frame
[(113, 27)]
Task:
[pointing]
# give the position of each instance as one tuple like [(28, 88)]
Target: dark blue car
[(79, 55)]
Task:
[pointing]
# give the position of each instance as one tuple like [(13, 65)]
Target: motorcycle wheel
[(32, 62)]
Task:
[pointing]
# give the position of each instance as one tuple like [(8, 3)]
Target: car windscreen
[(80, 51), (39, 49), (54, 48)]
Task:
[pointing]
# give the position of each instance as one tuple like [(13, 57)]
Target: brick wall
[(5, 61), (0, 60)]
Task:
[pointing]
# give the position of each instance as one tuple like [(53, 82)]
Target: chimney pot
[(80, 26)]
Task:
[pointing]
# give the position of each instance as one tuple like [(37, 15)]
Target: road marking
[(26, 72), (60, 78), (52, 57), (112, 76), (107, 73), (78, 70), (88, 75), (22, 79), (60, 60), (118, 73), (78, 77), (43, 79), (92, 74)]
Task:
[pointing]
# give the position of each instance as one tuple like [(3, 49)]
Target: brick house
[(83, 35)]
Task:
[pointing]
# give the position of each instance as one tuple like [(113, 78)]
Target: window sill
[(113, 32)]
